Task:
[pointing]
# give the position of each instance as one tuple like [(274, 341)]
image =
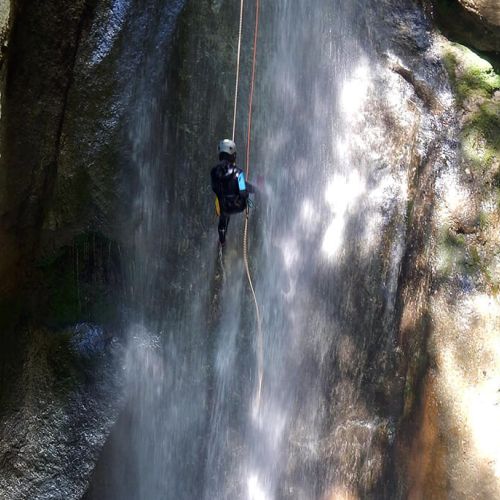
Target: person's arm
[(215, 176), (243, 186)]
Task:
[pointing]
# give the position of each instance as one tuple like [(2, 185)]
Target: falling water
[(326, 242)]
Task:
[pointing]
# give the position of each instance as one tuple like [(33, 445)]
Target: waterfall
[(327, 237), (315, 238)]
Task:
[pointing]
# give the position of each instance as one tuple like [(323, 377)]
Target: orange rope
[(250, 100)]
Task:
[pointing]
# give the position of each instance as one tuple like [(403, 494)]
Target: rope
[(252, 80), (260, 341), (238, 67)]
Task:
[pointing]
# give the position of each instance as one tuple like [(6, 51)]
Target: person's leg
[(223, 223)]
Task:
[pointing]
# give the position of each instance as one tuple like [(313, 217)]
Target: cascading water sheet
[(315, 249)]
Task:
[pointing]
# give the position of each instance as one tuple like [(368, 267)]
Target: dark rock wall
[(58, 171), (60, 260), (39, 74)]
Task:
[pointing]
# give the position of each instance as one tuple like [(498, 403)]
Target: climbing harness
[(260, 341)]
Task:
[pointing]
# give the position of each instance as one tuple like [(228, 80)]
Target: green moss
[(481, 136), (483, 220), (457, 255), (409, 211), (474, 81), (447, 252), (470, 75), (467, 257), (454, 241), (474, 260)]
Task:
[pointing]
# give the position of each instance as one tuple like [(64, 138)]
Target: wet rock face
[(462, 392), (446, 443), (448, 282), (61, 400)]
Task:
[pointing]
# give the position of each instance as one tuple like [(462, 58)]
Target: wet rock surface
[(442, 441), (62, 397), (466, 276)]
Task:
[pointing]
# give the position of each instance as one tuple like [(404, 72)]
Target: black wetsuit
[(231, 188)]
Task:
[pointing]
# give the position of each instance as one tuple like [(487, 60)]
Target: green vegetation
[(454, 241), (481, 138), (452, 248), (475, 83), (470, 75)]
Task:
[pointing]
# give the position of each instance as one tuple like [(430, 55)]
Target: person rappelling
[(230, 186)]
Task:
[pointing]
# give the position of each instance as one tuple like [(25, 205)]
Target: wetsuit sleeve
[(216, 180)]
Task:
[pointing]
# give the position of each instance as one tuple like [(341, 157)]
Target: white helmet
[(227, 146)]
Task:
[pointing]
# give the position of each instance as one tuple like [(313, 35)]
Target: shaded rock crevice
[(423, 91), (415, 327), (472, 22), (39, 76), (85, 17)]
